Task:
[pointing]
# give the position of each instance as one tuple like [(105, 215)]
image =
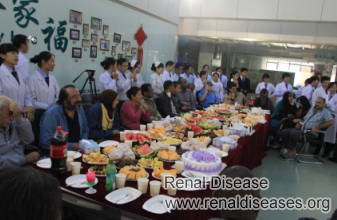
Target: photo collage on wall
[(103, 43)]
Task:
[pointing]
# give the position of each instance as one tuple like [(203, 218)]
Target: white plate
[(145, 166), (156, 177), (121, 193), (78, 178), (77, 155), (198, 175), (212, 150), (210, 174), (153, 205), (44, 163), (105, 143), (94, 163), (98, 175), (147, 176), (262, 121)]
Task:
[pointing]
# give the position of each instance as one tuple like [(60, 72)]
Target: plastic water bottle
[(110, 176), (58, 152)]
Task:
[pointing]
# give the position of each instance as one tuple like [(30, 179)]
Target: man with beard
[(68, 114)]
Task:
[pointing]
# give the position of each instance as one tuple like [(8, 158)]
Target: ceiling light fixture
[(285, 46)]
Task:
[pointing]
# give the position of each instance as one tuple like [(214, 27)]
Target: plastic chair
[(306, 148)]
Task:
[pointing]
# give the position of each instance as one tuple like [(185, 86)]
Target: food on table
[(156, 135), (224, 112), (133, 172), (219, 133), (144, 151), (205, 140), (158, 146), (157, 130), (194, 119), (164, 124), (150, 162), (95, 158), (98, 169), (171, 141), (122, 151), (242, 116), (240, 107), (207, 125), (108, 148), (127, 162), (201, 161), (176, 135), (165, 155), (157, 172), (116, 154), (201, 112), (178, 128), (193, 144), (138, 137), (195, 128), (219, 117)]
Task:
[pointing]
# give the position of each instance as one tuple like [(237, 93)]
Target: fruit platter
[(150, 163), (108, 148), (176, 135), (139, 138), (193, 119), (207, 125), (219, 117), (240, 107), (225, 112), (95, 158), (144, 151), (157, 130), (126, 162), (171, 141), (195, 128), (134, 172), (168, 156), (157, 172), (156, 136), (100, 171)]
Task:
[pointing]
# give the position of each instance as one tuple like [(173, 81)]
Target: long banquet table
[(249, 153)]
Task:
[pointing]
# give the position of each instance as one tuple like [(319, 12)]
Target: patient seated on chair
[(319, 117)]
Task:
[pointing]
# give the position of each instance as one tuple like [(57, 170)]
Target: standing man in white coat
[(22, 44), (108, 79), (265, 84), (188, 75), (43, 87), (322, 91), (283, 87), (13, 84), (309, 89), (167, 74)]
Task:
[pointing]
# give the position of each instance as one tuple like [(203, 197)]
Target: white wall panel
[(190, 8), (173, 11), (327, 34), (219, 8), (207, 27), (264, 30), (143, 4), (301, 10), (298, 32), (257, 9), (232, 29), (158, 8), (329, 10), (188, 26)]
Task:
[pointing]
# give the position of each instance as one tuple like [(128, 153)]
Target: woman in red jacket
[(134, 111)]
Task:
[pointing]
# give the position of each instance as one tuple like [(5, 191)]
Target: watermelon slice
[(195, 128), (144, 151), (139, 137)]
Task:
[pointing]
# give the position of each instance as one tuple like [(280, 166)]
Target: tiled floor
[(293, 179)]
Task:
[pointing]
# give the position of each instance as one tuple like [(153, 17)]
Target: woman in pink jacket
[(134, 111)]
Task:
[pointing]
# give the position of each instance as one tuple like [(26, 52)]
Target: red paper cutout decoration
[(140, 37)]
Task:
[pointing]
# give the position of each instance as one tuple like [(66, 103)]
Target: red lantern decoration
[(140, 37)]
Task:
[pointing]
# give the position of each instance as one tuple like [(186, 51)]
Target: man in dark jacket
[(164, 103), (178, 104), (244, 82)]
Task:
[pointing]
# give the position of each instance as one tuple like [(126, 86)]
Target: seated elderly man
[(316, 119), (16, 132), (234, 96), (68, 114), (207, 97)]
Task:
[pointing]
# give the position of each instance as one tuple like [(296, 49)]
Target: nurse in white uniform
[(282, 87), (12, 83), (135, 67), (125, 80), (265, 85), (200, 83), (217, 87), (167, 74), (155, 79), (108, 79), (43, 87)]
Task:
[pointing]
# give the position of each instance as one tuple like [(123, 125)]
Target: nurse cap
[(133, 63), (156, 64)]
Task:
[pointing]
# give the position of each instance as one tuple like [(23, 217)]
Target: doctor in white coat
[(108, 79), (167, 74), (322, 91), (125, 80), (155, 79), (135, 67), (13, 84), (283, 87), (200, 83), (188, 75), (22, 43), (308, 91), (43, 87), (330, 134), (265, 85), (217, 87)]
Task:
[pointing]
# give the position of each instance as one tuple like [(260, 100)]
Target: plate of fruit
[(158, 171), (168, 156), (100, 171), (134, 172), (144, 151), (107, 149), (150, 163), (224, 112), (95, 158)]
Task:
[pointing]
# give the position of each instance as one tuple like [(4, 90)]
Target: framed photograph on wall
[(113, 50), (96, 23), (75, 17), (133, 50), (93, 51), (104, 45), (74, 34), (120, 55), (76, 52), (85, 43), (94, 38), (86, 29), (105, 30), (128, 58), (126, 46), (117, 38)]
